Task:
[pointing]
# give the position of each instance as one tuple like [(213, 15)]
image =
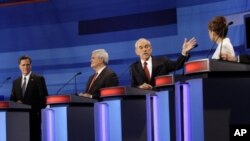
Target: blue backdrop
[(59, 35)]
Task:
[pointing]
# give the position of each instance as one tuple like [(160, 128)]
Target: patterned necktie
[(92, 81), (146, 70), (24, 86)]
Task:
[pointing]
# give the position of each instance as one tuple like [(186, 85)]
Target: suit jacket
[(35, 94), (160, 66), (244, 58), (107, 78)]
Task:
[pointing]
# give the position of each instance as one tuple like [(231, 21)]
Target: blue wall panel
[(48, 32)]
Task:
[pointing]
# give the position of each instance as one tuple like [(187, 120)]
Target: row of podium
[(200, 106)]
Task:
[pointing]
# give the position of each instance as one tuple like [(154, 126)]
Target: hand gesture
[(188, 45)]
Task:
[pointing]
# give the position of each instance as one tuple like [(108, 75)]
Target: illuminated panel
[(112, 91), (165, 80), (3, 121), (197, 66), (58, 99), (48, 125), (19, 2), (4, 104), (186, 113)]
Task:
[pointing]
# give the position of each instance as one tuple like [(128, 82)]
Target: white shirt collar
[(149, 61), (27, 76), (100, 70)]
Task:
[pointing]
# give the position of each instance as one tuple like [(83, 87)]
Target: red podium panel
[(216, 68), (122, 91), (66, 99), (13, 105), (164, 80), (197, 66)]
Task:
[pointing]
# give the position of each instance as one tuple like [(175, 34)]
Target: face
[(95, 61), (25, 66), (143, 50), (211, 35)]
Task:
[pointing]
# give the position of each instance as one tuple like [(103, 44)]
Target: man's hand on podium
[(19, 101), (85, 95), (145, 86)]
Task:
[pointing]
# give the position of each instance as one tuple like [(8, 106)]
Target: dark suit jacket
[(107, 78), (160, 66), (35, 94), (244, 58)]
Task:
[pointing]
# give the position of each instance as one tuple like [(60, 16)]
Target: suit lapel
[(154, 65), (139, 66), (19, 86), (30, 82), (94, 86), (98, 79)]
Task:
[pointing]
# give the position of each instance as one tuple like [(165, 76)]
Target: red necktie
[(146, 70), (92, 81)]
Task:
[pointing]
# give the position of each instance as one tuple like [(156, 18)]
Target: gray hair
[(102, 53), (142, 39)]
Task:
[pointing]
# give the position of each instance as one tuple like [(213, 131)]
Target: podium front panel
[(208, 108), (122, 119), (131, 117), (3, 126), (161, 116), (68, 118), (14, 121)]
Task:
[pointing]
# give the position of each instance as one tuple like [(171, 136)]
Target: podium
[(14, 121), (164, 101), (68, 118), (212, 100), (124, 115)]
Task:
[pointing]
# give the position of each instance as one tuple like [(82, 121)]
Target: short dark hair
[(217, 25), (24, 57)]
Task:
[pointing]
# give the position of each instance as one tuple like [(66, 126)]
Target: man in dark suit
[(103, 76), (147, 68), (30, 89)]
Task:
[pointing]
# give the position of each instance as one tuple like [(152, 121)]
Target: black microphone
[(230, 23), (8, 78), (74, 77), (221, 32)]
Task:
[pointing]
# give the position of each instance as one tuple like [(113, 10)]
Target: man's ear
[(136, 52)]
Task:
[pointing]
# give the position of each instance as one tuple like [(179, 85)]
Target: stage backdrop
[(59, 35)]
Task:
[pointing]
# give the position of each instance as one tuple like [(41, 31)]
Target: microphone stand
[(8, 78), (75, 87), (221, 46), (68, 82)]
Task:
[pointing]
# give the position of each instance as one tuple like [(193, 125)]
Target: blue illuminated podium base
[(14, 121), (68, 118)]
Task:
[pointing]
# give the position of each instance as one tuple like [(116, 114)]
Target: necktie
[(92, 81), (24, 85), (146, 70)]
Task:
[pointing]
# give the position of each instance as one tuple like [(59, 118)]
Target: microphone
[(8, 78), (74, 77), (221, 32), (230, 23)]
